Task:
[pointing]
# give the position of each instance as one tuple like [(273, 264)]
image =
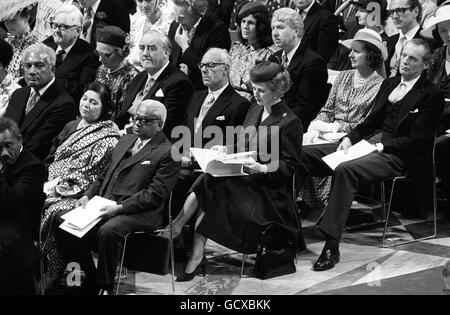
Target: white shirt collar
[(217, 93), (67, 49), (411, 33), (290, 55), (157, 74), (95, 7), (410, 83), (144, 142), (45, 88)]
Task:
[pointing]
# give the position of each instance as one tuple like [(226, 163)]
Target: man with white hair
[(140, 179), (76, 60), (309, 89), (42, 108)]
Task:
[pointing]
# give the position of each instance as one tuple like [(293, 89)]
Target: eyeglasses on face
[(61, 26), (106, 55), (210, 65), (142, 120), (399, 11)]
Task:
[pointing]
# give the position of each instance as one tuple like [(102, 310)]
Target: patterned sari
[(83, 154)]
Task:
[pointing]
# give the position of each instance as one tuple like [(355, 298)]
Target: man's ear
[(20, 138)]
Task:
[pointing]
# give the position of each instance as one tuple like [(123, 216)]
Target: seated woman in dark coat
[(233, 211), (80, 153)]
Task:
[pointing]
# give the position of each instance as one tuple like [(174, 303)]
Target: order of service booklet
[(220, 164)]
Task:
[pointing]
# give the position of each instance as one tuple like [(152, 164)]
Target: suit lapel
[(122, 150), (72, 59), (145, 151), (17, 111), (309, 17), (41, 104), (409, 100), (194, 111), (166, 72), (298, 56), (219, 105)]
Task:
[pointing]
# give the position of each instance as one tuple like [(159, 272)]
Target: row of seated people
[(214, 68)]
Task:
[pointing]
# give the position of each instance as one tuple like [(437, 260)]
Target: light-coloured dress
[(7, 87), (243, 58), (15, 68)]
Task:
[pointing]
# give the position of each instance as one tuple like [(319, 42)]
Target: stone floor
[(365, 268)]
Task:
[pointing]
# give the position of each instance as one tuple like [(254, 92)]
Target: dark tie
[(87, 21), (60, 57)]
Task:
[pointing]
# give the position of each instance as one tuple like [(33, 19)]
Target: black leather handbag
[(275, 254)]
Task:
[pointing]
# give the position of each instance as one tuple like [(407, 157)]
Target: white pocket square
[(146, 163), (415, 111), (220, 118), (159, 93)]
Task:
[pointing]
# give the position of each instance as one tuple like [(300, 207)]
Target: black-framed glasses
[(398, 11), (143, 120), (210, 65), (61, 26), (106, 55)]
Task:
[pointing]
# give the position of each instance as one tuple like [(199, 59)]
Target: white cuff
[(380, 147)]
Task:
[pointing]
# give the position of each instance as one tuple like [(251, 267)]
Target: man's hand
[(345, 144), (82, 202), (181, 38), (253, 167), (111, 211)]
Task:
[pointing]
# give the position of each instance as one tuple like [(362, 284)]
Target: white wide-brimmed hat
[(9, 8), (442, 14), (370, 36)]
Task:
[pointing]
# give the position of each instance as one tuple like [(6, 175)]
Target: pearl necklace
[(358, 80)]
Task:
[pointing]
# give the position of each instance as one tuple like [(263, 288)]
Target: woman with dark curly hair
[(80, 153), (350, 100), (254, 43), (233, 211)]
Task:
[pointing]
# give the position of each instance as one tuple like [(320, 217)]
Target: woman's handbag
[(275, 255)]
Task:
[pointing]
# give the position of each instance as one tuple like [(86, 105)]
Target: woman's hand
[(311, 137), (253, 167), (82, 202), (345, 144)]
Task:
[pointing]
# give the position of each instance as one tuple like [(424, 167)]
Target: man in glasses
[(192, 34), (406, 15), (140, 179), (76, 60), (160, 81)]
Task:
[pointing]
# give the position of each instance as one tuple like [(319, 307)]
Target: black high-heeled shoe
[(185, 276)]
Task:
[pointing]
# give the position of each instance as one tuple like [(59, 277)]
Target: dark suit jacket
[(391, 42), (321, 31), (415, 131), (140, 187), (45, 121), (210, 32), (110, 12), (222, 11), (21, 201), (309, 90), (176, 90), (78, 68), (230, 106)]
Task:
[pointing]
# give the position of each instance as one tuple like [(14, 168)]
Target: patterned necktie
[(284, 60), (140, 96), (34, 98), (209, 101), (137, 146), (398, 93), (60, 57), (87, 21)]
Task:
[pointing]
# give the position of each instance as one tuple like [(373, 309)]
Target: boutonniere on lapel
[(101, 15)]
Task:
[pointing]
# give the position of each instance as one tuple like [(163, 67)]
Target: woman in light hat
[(115, 72), (350, 100), (439, 74)]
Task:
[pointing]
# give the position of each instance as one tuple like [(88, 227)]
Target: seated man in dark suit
[(401, 126), (208, 111), (98, 13), (76, 60), (42, 108), (160, 81), (321, 29), (140, 179), (192, 34), (22, 178), (309, 90), (221, 9), (406, 16)]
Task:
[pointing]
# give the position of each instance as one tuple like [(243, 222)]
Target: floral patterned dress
[(7, 87), (118, 82), (15, 68), (244, 57), (82, 155)]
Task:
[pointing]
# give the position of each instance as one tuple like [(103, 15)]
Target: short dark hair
[(427, 58), (416, 4), (263, 29), (105, 98), (373, 55), (9, 124)]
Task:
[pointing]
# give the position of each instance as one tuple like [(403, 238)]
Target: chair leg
[(244, 256), (172, 255), (386, 223), (121, 263), (41, 269)]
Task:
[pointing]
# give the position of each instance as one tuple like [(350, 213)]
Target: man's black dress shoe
[(327, 260)]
